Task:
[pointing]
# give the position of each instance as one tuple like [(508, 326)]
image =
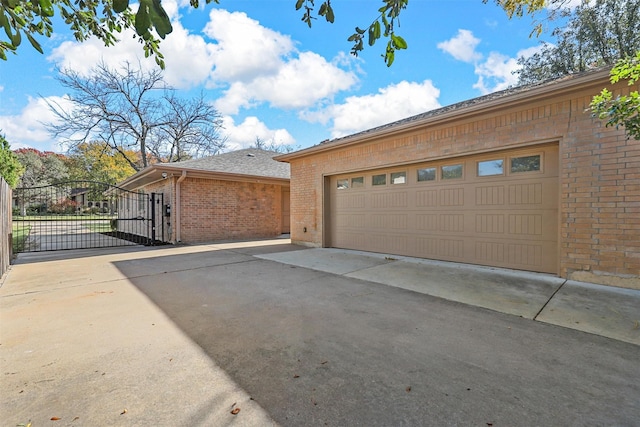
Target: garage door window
[(452, 172), (491, 167), (357, 182), (399, 178), (525, 164), (379, 179), (343, 184), (426, 174)]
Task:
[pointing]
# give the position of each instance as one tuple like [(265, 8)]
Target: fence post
[(6, 249)]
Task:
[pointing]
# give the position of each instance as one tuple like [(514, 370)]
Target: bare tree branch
[(130, 109)]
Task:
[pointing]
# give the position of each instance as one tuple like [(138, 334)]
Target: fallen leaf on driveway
[(235, 411), (124, 411), (55, 418), (296, 376), (408, 389)]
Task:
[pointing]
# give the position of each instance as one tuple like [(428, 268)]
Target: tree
[(598, 33), (96, 161), (10, 168), (134, 111), (272, 146), (623, 110), (40, 168), (191, 125), (104, 19)]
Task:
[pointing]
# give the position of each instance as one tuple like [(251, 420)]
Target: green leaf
[(120, 6), (16, 39), (360, 30), (143, 22), (299, 4), (34, 43), (399, 42), (46, 7), (160, 19), (388, 58), (330, 16)]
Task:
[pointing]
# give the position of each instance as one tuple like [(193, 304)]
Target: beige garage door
[(498, 209)]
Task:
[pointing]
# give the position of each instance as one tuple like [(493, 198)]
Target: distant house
[(525, 179), (238, 195), (85, 201)]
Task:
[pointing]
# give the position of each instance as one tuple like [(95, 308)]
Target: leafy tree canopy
[(598, 33), (97, 161), (623, 110), (10, 168), (41, 168), (104, 19)]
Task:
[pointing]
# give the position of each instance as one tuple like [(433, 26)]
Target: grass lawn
[(100, 227), (19, 235), (61, 217)]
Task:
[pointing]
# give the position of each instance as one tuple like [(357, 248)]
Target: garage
[(496, 209)]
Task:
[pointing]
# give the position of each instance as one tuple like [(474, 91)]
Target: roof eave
[(154, 173), (556, 87)]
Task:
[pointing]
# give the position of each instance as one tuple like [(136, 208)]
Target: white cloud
[(391, 103), (28, 129), (571, 4), (298, 83), (244, 134), (189, 59), (250, 63), (462, 47), (496, 73), (244, 50)]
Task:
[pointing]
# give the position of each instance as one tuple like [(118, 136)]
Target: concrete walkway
[(603, 310), (187, 336)]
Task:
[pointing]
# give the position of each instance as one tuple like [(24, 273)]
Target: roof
[(481, 104), (250, 161), (251, 164)]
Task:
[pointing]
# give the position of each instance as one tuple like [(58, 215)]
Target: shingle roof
[(250, 161)]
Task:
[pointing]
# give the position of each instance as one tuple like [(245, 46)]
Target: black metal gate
[(84, 214)]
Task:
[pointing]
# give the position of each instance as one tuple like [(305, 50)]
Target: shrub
[(66, 206)]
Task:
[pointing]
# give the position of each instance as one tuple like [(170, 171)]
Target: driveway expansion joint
[(535, 318)]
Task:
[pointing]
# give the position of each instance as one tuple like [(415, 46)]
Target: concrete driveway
[(64, 235), (184, 336)]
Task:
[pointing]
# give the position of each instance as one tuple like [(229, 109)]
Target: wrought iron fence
[(80, 215)]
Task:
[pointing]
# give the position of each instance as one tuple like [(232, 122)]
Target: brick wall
[(599, 175), (217, 210)]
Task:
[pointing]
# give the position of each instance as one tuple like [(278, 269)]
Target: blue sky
[(272, 77)]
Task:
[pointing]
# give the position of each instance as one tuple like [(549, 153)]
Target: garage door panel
[(509, 220)]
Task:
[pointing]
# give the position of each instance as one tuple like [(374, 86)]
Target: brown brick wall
[(599, 174), (216, 210)]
